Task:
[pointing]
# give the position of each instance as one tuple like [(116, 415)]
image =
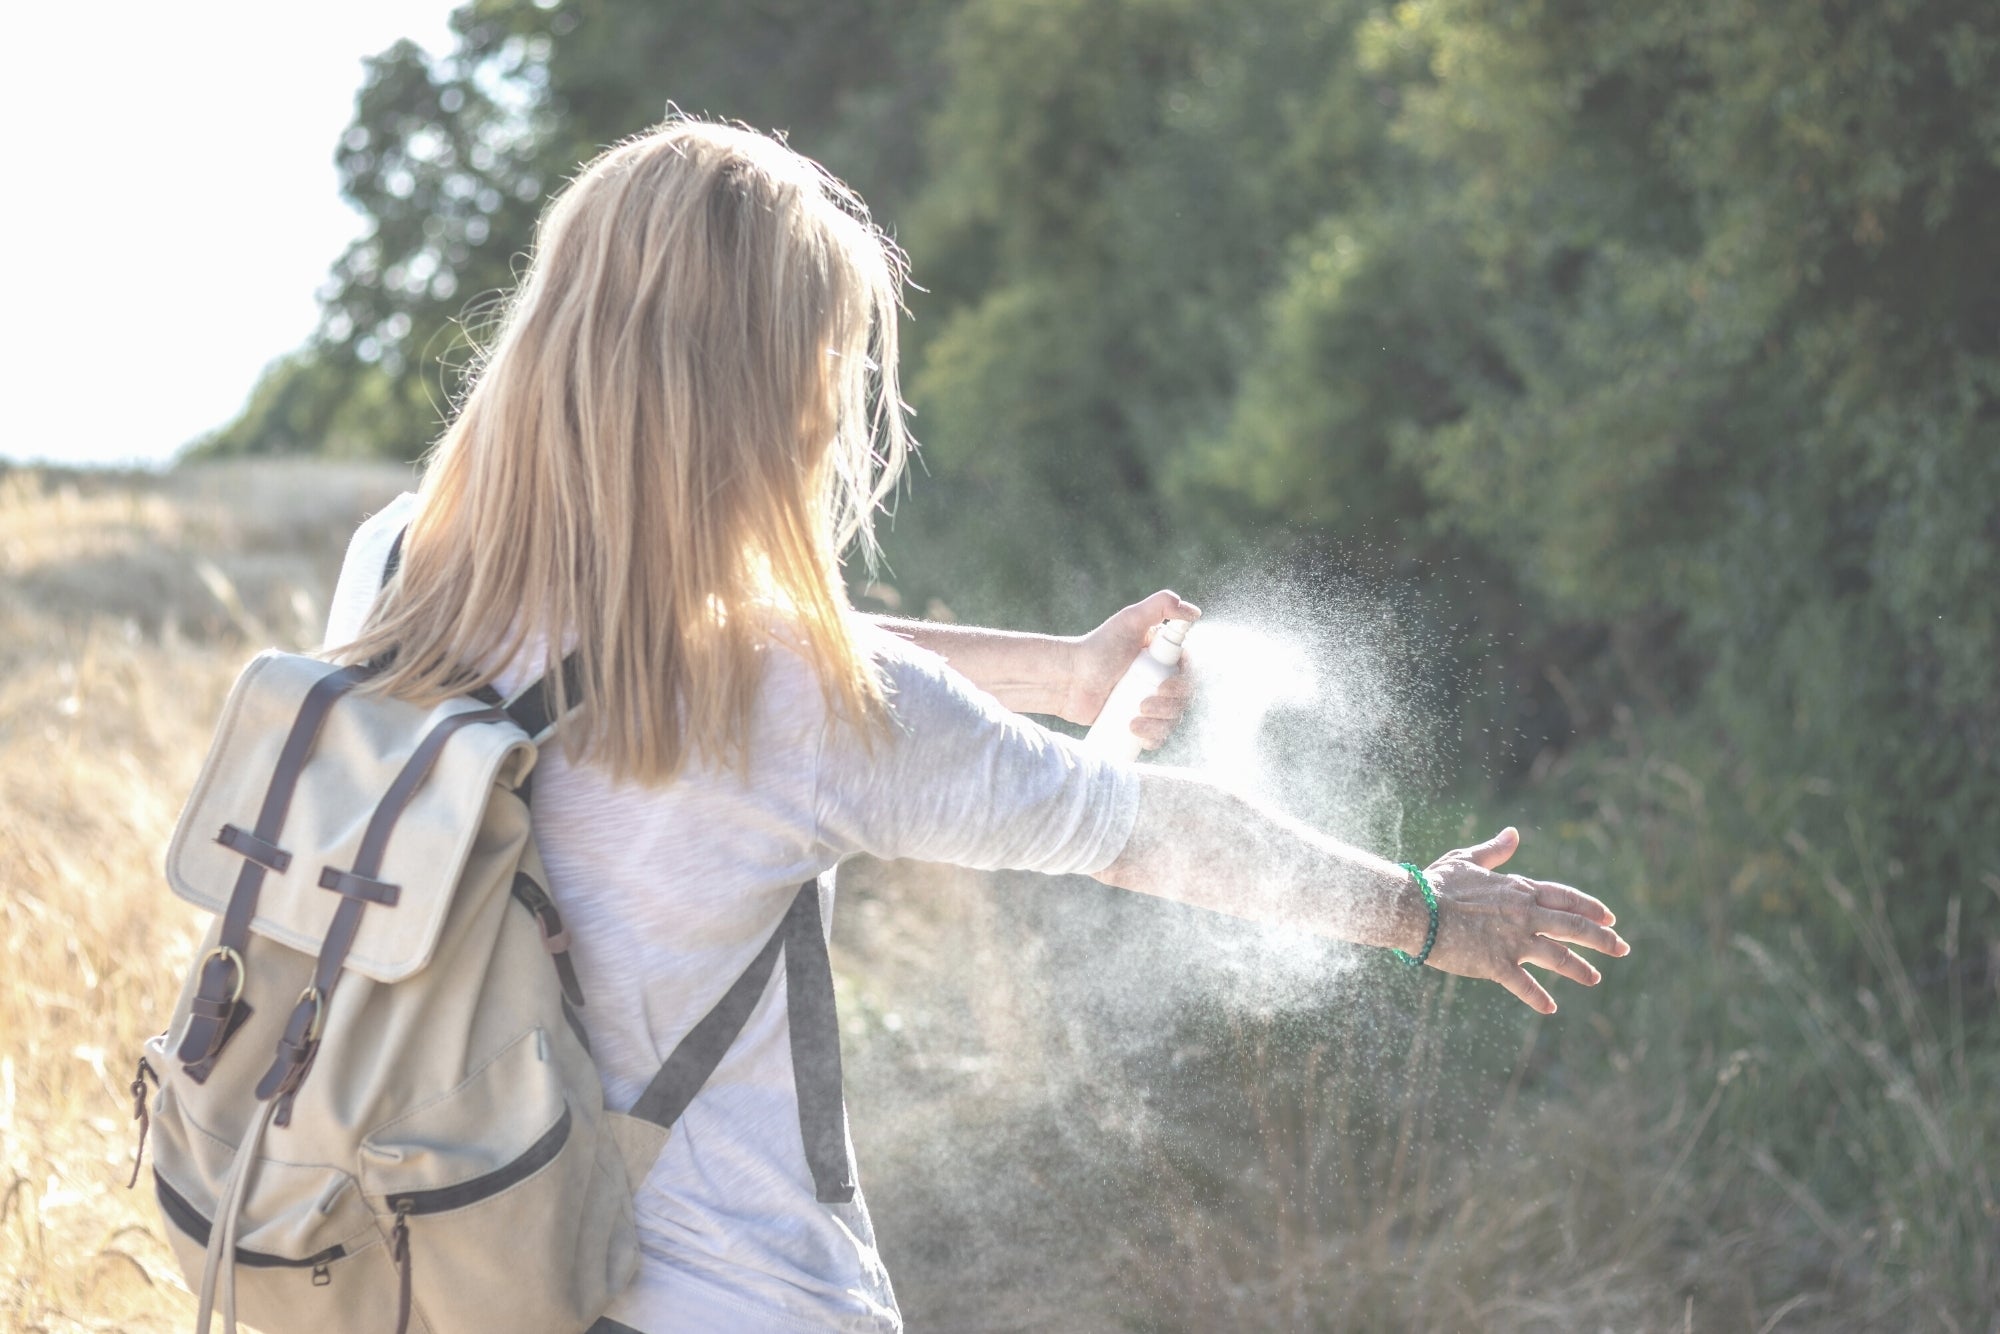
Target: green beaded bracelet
[(1431, 902)]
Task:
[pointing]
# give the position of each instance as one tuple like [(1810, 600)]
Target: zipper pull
[(140, 1115), (321, 1275), (399, 1253)]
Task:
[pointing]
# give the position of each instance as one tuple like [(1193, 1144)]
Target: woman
[(690, 413)]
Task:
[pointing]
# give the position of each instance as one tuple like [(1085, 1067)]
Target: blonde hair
[(690, 411)]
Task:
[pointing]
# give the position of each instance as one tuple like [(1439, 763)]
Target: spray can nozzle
[(1112, 732), (1167, 640)]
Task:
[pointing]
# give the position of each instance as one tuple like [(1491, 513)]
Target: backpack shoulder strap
[(395, 560), (815, 1032), (533, 709)]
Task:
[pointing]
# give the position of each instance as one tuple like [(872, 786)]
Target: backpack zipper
[(140, 1115), (188, 1219), (442, 1199), (399, 1255), (439, 1200)]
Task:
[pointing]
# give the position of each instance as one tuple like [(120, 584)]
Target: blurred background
[(1601, 399)]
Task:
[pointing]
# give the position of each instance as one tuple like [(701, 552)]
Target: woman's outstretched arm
[(1200, 844), (1067, 676)]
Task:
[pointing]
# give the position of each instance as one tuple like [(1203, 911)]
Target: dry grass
[(126, 605)]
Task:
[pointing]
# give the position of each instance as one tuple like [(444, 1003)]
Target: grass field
[(126, 605), (1065, 1119)]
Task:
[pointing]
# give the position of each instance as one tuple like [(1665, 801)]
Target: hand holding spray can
[(1112, 733)]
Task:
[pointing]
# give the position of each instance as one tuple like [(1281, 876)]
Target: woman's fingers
[(1165, 605), (1494, 850), (1528, 991), (1565, 899), (1579, 931), (1500, 910), (1546, 953), (1160, 712)]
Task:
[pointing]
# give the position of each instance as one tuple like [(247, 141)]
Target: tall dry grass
[(127, 603)]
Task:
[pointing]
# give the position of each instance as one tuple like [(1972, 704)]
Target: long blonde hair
[(690, 411)]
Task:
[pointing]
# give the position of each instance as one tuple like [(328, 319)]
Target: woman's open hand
[(1100, 658), (1490, 923)]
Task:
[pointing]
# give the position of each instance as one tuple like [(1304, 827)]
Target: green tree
[(451, 160), (1706, 295), (1662, 341), (1115, 186)]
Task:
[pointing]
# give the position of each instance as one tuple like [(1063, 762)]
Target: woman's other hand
[(1100, 658), (1491, 923)]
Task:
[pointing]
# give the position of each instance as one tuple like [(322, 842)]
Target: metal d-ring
[(319, 1013), (225, 952)]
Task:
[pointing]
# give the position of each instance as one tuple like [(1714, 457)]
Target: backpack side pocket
[(312, 1249), (498, 1196)]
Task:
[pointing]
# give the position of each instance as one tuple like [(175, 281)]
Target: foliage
[(451, 158), (1658, 342)]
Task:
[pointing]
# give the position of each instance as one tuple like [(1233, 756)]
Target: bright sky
[(170, 207)]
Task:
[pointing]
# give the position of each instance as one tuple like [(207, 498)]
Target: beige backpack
[(375, 1105)]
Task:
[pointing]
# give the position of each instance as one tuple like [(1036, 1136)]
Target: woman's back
[(670, 891)]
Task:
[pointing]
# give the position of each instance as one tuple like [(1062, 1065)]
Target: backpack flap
[(437, 775)]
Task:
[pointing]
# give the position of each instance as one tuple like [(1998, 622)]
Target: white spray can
[(1112, 733)]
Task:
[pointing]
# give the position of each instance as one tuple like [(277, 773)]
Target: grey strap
[(533, 710), (815, 1031), (300, 1041)]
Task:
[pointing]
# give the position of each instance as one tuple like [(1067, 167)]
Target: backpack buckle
[(318, 1023), (235, 960), (215, 1012), (296, 1049)]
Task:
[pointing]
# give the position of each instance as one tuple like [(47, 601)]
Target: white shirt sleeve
[(957, 778), (361, 573)]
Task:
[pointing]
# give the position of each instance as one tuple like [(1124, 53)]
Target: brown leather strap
[(301, 1037), (278, 797), (221, 986), (555, 936), (695, 1057), (359, 886), (297, 1046), (394, 560), (267, 855)]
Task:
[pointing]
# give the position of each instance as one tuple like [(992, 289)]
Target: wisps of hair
[(690, 411)]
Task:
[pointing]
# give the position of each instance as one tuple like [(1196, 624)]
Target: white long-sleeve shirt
[(669, 892)]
